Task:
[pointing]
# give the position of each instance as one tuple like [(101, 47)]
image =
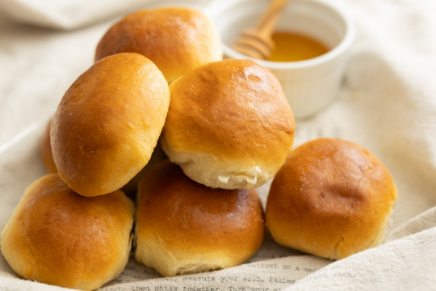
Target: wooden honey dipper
[(257, 42)]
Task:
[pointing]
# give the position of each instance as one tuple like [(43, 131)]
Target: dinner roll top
[(176, 39), (184, 227), (332, 198), (58, 237), (108, 123), (229, 125)]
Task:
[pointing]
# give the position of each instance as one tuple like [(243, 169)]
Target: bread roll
[(58, 237), (130, 188), (176, 39), (229, 125), (46, 152), (332, 198), (184, 227), (108, 123)]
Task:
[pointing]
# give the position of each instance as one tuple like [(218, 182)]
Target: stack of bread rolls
[(226, 128), (226, 125)]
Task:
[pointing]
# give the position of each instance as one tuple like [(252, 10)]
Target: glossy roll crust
[(229, 125), (332, 198), (58, 237), (157, 156), (184, 227), (176, 39), (131, 187), (108, 123)]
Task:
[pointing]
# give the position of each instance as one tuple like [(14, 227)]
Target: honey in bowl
[(294, 47)]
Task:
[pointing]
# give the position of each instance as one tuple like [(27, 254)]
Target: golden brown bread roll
[(58, 237), (176, 39), (108, 123), (332, 198), (130, 188), (46, 152), (184, 227), (229, 125)]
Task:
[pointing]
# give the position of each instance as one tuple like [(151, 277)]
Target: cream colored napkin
[(71, 14), (387, 104)]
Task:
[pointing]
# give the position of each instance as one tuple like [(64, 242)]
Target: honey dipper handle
[(269, 19)]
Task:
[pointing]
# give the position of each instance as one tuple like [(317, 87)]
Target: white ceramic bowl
[(311, 84)]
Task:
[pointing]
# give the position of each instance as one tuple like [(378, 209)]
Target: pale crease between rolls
[(229, 125), (184, 227), (46, 152), (58, 237), (332, 198)]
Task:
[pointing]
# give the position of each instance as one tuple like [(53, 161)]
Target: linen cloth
[(387, 104), (71, 14)]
